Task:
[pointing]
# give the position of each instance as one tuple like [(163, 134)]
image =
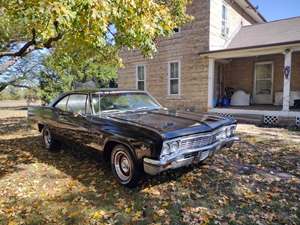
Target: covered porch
[(269, 77)]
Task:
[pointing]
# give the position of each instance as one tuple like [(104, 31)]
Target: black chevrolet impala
[(132, 130)]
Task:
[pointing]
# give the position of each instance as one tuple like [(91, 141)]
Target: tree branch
[(26, 48), (22, 50), (48, 43), (20, 86)]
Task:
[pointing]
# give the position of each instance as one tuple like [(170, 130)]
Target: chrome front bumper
[(186, 158)]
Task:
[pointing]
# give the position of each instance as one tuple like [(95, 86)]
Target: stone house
[(229, 44)]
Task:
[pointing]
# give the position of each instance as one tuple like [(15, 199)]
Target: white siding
[(235, 21)]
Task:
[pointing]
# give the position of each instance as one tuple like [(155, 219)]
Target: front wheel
[(49, 142), (124, 167)]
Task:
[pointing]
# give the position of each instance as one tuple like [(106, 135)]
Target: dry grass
[(255, 182), (15, 103)]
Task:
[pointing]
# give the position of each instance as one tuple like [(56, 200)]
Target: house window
[(225, 25), (174, 78), (140, 77)]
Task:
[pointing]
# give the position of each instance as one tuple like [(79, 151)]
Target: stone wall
[(185, 47), (200, 35)]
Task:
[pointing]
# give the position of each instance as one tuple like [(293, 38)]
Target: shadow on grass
[(222, 184)]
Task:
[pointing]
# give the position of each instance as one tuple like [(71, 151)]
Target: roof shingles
[(281, 31)]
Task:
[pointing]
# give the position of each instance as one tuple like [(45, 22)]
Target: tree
[(61, 76), (94, 29), (24, 72)]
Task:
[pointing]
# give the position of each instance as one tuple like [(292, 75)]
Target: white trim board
[(255, 112)]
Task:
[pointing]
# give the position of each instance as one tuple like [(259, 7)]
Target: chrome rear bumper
[(186, 158)]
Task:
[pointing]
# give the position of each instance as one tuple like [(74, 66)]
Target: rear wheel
[(49, 142), (124, 167)]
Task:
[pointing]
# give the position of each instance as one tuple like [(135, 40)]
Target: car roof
[(102, 90), (95, 91)]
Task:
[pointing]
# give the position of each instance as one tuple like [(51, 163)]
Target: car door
[(75, 121), (58, 124)]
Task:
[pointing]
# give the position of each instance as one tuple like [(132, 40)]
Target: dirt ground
[(255, 182)]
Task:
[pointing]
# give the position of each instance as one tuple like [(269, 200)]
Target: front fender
[(139, 149)]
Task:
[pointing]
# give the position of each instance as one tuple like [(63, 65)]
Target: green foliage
[(10, 30), (86, 36), (102, 27), (62, 75), (12, 93)]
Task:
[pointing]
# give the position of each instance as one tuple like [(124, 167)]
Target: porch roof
[(282, 33)]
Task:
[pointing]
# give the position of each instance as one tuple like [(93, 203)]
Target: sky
[(277, 9)]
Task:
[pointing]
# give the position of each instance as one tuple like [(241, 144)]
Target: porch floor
[(259, 107)]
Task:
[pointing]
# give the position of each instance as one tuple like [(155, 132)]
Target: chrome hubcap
[(47, 137), (122, 166), (125, 165)]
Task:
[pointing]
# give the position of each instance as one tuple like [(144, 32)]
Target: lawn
[(255, 182)]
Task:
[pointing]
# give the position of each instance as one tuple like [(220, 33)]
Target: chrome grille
[(197, 142)]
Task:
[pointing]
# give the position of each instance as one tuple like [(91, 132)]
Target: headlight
[(232, 130), (228, 132), (169, 148), (221, 135), (165, 149), (174, 146)]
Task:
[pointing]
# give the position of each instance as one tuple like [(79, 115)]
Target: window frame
[(179, 78), (59, 100), (225, 28), (137, 77)]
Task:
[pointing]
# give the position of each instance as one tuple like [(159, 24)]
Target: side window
[(76, 103), (225, 25), (140, 77), (62, 104), (174, 78)]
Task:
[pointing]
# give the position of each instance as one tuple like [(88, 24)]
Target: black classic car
[(132, 130)]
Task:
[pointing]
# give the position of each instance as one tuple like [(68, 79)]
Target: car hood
[(173, 124)]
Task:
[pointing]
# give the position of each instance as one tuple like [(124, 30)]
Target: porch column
[(211, 74), (287, 72)]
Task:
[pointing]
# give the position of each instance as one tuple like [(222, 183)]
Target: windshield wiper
[(113, 111), (145, 108)]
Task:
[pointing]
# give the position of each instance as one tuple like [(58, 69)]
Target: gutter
[(249, 47), (255, 10)]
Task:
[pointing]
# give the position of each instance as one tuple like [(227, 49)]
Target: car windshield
[(121, 102)]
